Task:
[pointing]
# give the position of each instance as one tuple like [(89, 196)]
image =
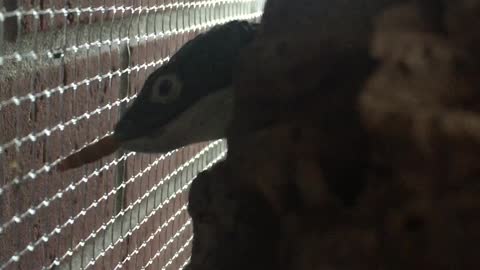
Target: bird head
[(189, 99)]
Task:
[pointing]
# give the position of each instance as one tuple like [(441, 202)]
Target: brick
[(57, 21), (45, 22), (138, 189), (49, 112), (140, 235), (18, 121)]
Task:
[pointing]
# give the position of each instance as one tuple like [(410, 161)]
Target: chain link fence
[(68, 69)]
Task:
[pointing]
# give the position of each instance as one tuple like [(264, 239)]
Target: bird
[(190, 98)]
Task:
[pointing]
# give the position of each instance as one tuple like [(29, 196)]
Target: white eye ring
[(165, 89)]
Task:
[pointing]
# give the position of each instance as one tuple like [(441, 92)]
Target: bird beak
[(131, 137), (124, 130), (128, 130)]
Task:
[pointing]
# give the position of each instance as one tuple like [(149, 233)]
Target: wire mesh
[(68, 69)]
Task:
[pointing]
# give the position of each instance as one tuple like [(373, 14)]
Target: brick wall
[(67, 70)]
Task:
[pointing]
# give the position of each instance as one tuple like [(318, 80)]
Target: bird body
[(189, 99)]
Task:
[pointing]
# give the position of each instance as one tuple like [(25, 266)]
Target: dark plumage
[(189, 99)]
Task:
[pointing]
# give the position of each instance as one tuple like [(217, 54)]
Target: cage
[(68, 69)]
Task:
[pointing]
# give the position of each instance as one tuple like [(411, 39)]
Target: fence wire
[(68, 69)]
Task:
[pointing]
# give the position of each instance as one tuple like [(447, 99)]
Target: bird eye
[(165, 89)]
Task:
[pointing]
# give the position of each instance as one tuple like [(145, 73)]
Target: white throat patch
[(207, 120)]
